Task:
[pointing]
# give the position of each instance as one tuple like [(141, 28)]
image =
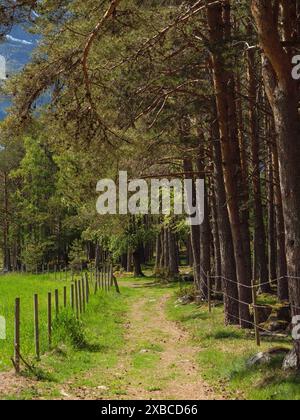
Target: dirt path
[(176, 369), (158, 361)]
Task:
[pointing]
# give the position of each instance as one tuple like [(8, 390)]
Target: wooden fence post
[(101, 279), (36, 327), (56, 303), (49, 320), (80, 296), (17, 335), (111, 275), (116, 284), (87, 288), (72, 297), (255, 311), (83, 294), (209, 291), (76, 299), (96, 285), (104, 275), (65, 296)]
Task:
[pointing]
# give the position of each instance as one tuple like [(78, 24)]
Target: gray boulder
[(290, 361), (264, 358)]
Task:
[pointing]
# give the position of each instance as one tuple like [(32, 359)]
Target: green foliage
[(68, 329), (77, 255), (33, 254)]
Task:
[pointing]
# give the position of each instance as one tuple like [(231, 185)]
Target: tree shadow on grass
[(92, 347), (225, 335), (156, 285), (271, 375), (196, 315)]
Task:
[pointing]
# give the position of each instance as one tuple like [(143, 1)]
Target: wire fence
[(206, 283), (31, 332)]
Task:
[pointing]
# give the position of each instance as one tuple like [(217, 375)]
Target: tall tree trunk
[(272, 245), (6, 247), (205, 229), (283, 287), (195, 236), (129, 261), (283, 95), (173, 269), (228, 266), (166, 250), (137, 266), (224, 88), (260, 246), (216, 240), (158, 253)]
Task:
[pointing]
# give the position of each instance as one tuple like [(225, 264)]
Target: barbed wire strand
[(241, 319)]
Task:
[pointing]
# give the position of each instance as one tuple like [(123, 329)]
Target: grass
[(223, 356), (92, 353), (84, 351), (87, 353), (25, 286)]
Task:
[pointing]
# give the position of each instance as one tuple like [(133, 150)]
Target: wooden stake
[(56, 303), (65, 296), (87, 288), (255, 311), (36, 326), (80, 297), (96, 285), (17, 335), (209, 292), (76, 299), (116, 284), (49, 320), (83, 294), (72, 297)]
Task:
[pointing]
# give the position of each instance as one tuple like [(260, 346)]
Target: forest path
[(154, 360), (158, 361)]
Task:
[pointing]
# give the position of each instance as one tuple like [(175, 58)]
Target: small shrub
[(68, 329)]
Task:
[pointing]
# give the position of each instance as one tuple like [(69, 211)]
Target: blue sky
[(17, 50)]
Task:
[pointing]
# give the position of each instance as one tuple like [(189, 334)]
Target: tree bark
[(229, 279), (283, 95), (173, 269), (6, 247), (260, 245), (283, 288), (224, 88), (205, 229), (195, 237), (137, 267), (272, 245)]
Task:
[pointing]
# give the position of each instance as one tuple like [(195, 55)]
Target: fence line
[(254, 286), (258, 328), (254, 282), (78, 302)]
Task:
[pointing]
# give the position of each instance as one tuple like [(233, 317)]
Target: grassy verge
[(224, 352), (84, 351), (25, 286), (86, 356)]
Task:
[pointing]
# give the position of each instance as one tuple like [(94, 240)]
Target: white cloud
[(20, 41)]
